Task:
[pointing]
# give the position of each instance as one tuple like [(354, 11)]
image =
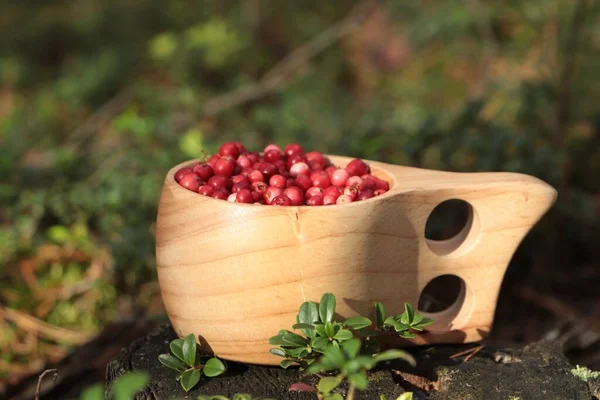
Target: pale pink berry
[(339, 177), (299, 169), (344, 199)]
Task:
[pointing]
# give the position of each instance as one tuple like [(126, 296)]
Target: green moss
[(585, 374)]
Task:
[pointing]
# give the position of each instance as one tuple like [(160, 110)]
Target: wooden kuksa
[(234, 274)]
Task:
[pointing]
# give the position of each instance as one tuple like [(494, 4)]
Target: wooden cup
[(234, 274)]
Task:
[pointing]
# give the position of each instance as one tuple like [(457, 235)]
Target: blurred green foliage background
[(98, 99)]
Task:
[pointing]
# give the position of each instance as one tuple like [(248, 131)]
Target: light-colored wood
[(234, 274)]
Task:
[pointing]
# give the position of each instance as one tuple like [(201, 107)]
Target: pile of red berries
[(288, 177)]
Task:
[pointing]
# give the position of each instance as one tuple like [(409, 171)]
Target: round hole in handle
[(445, 299), (451, 224)]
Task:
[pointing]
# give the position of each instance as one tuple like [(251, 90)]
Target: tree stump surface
[(539, 371)]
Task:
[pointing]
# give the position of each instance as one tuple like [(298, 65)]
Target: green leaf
[(320, 329), (327, 307), (329, 329), (397, 325), (335, 396), (319, 343), (343, 334), (416, 319), (286, 363), (189, 379), (410, 312), (178, 377), (277, 340), (303, 326), (277, 352), (59, 234), (94, 392), (329, 383), (214, 367), (380, 314), (191, 143), (308, 313), (357, 322), (406, 396), (351, 347), (359, 379), (172, 362), (126, 386), (406, 334), (294, 339), (393, 355), (189, 350), (425, 322), (176, 347), (297, 352), (240, 396)]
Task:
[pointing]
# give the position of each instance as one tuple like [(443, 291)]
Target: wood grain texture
[(234, 274)]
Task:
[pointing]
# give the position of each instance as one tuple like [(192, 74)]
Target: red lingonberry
[(290, 182), (329, 200), (240, 186), (267, 169), (331, 169), (253, 156), (332, 191), (379, 192), (271, 193), (223, 167), (244, 162), (357, 167), (278, 180), (314, 191), (246, 171), (317, 157), (339, 177), (206, 190), (240, 147), (303, 181), (273, 146), (354, 181), (182, 172), (351, 191), (295, 158), (244, 196), (295, 194), (259, 186), (221, 193), (365, 194), (280, 164), (212, 160), (314, 201), (229, 149), (281, 200), (382, 184), (204, 171), (299, 168), (272, 156), (367, 183), (190, 182), (344, 199), (257, 196), (219, 181), (240, 178), (320, 179), (256, 176), (315, 166), (293, 148)]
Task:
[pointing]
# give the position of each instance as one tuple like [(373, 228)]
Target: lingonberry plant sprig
[(403, 324), (288, 177), (349, 363), (185, 361), (316, 321)]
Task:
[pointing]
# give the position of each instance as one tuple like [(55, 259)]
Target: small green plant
[(352, 365), (320, 330), (184, 361), (315, 321), (401, 324), (124, 387)]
